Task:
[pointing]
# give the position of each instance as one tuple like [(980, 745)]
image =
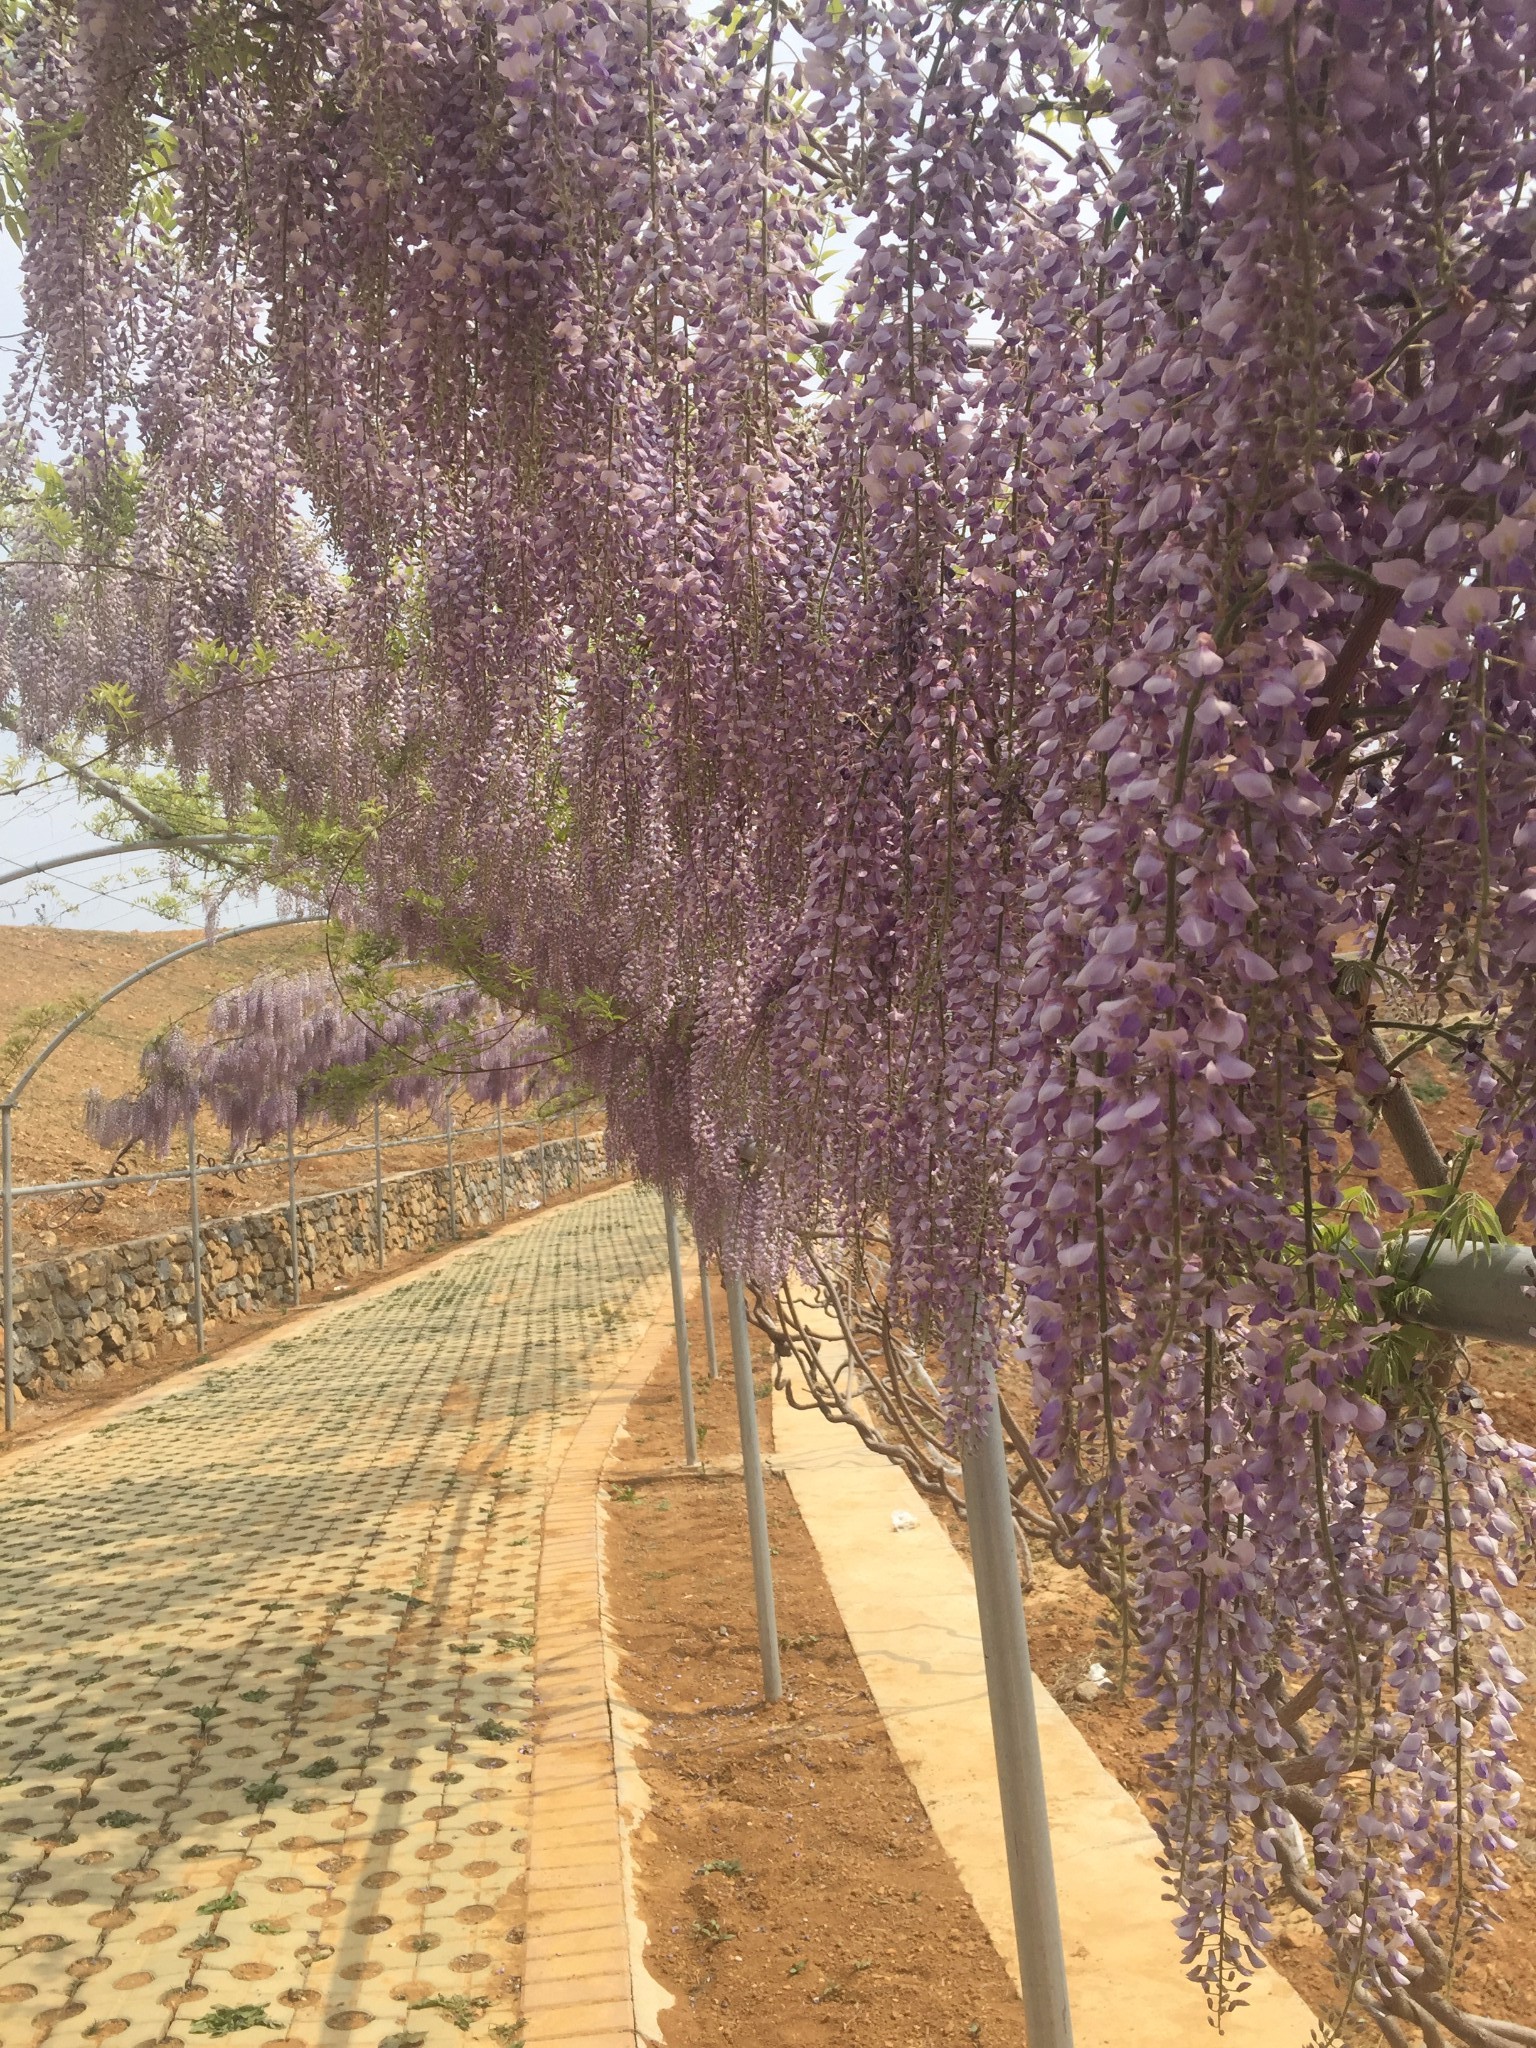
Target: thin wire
[(100, 895)]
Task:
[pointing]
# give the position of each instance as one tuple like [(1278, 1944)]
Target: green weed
[(233, 2019), (462, 2012)]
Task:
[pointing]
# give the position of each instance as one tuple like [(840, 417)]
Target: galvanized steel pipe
[(757, 1499)]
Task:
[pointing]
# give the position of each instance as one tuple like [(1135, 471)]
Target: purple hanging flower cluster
[(975, 764), (286, 1050), (169, 1092)]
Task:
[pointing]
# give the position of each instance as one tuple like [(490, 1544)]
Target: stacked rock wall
[(120, 1304)]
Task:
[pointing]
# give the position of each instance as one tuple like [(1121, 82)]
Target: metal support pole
[(576, 1143), (9, 1269), (293, 1218), (197, 1233), (709, 1319), (501, 1166), (680, 1325), (757, 1500), (1475, 1290), (453, 1207), (1015, 1736), (378, 1185)]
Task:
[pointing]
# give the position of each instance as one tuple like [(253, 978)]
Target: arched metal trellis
[(8, 1106)]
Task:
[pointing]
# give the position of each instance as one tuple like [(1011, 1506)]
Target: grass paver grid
[(265, 1657)]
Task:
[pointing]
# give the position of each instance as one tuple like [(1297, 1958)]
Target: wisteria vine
[(288, 1050), (957, 766)]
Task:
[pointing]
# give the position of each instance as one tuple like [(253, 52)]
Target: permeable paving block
[(265, 1665)]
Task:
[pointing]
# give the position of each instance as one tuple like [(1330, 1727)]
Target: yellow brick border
[(581, 1959)]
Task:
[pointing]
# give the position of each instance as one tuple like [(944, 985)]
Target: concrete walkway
[(266, 1642), (908, 1603)]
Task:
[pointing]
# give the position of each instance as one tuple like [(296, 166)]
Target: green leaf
[(463, 2012), (233, 2019)]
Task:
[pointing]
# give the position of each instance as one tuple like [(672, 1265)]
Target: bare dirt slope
[(42, 969)]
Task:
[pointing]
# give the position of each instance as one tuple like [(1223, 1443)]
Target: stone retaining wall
[(122, 1303)]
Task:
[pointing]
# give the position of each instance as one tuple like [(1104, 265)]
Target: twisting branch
[(862, 1373), (1377, 606)]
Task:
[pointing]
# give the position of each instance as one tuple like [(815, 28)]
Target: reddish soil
[(792, 1885), (46, 969)]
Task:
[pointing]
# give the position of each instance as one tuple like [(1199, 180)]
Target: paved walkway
[(265, 1656)]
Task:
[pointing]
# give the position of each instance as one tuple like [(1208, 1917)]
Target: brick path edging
[(585, 1946)]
